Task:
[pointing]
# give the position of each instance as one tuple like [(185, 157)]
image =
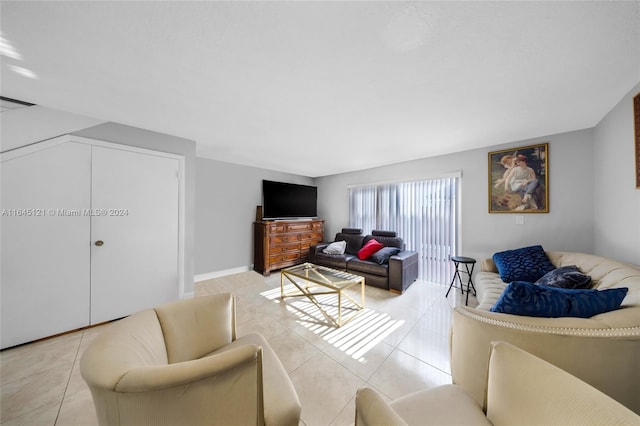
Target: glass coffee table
[(314, 280)]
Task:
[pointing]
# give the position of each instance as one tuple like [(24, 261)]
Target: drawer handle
[(99, 243)]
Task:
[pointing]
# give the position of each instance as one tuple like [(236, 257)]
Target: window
[(424, 213)]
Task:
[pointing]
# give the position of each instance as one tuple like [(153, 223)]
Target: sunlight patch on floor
[(355, 338)]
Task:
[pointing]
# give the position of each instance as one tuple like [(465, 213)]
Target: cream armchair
[(181, 364), (521, 390)]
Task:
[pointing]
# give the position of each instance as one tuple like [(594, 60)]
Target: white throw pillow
[(336, 248)]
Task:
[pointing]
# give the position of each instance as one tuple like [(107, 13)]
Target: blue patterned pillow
[(523, 264), (565, 277), (523, 298)]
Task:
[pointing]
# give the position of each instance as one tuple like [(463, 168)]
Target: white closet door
[(135, 215), (45, 242)]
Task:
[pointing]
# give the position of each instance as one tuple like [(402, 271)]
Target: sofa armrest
[(488, 265), (593, 350), (153, 378), (315, 249), (550, 396), (403, 270), (372, 410), (229, 383)]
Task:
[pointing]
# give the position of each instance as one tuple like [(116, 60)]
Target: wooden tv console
[(279, 244)]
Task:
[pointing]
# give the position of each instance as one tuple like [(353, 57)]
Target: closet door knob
[(99, 243)]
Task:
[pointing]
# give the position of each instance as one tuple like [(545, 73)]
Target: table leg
[(453, 280), (469, 283)]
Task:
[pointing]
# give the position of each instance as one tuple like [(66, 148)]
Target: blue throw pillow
[(523, 264), (523, 298), (382, 256), (565, 277)]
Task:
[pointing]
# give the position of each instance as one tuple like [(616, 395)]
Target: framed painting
[(519, 180)]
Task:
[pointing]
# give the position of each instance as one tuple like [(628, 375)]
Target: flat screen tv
[(282, 200)]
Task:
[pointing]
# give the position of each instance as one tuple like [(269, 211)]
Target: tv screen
[(282, 200)]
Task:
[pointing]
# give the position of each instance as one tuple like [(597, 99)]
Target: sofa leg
[(394, 291)]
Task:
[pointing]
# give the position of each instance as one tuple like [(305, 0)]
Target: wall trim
[(223, 273)]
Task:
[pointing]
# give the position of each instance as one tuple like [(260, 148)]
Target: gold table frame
[(335, 281)]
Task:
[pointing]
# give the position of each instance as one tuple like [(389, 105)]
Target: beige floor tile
[(76, 382), (77, 410), (262, 324), (402, 374), (325, 388), (293, 350), (362, 365), (401, 331), (428, 346), (38, 390), (43, 416), (27, 360), (347, 416)]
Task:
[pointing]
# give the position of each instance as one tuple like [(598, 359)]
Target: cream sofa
[(603, 350), (521, 390), (181, 364)]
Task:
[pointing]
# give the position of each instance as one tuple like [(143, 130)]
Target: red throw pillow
[(369, 248)]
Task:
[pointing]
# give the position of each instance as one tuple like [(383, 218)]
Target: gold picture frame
[(519, 180), (636, 121)]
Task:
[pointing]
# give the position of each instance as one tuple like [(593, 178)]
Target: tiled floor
[(398, 345)]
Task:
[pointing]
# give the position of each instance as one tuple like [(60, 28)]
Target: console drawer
[(283, 257), (276, 228), (286, 238), (296, 227), (312, 236), (279, 249)]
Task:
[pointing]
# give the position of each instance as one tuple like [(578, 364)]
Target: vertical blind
[(424, 213)]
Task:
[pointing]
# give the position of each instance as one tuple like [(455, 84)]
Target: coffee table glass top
[(324, 276), (312, 281)]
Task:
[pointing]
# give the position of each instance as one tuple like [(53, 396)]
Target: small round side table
[(469, 264)]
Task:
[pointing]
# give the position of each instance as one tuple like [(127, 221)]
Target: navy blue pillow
[(383, 255), (523, 264), (565, 277), (523, 298)]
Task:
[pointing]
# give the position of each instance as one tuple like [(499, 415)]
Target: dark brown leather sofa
[(396, 275)]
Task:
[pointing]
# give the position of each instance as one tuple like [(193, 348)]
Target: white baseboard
[(223, 273)]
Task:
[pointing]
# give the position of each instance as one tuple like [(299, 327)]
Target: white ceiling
[(318, 88)]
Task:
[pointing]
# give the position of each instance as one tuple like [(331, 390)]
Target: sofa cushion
[(336, 261), (337, 247), (524, 298), (369, 248), (523, 264), (356, 265), (382, 256), (565, 277), (354, 241)]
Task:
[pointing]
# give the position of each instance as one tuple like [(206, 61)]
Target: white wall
[(617, 201), (227, 196), (567, 226)]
